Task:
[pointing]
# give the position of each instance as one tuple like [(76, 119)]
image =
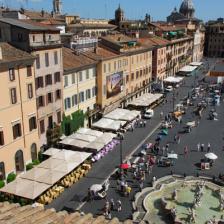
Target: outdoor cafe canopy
[(88, 131), (25, 188), (146, 100), (39, 179), (122, 114), (188, 69), (173, 79), (109, 124), (51, 151)]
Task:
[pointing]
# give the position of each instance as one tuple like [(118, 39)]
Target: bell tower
[(57, 6)]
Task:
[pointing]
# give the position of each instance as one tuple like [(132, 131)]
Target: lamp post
[(173, 100), (121, 151)]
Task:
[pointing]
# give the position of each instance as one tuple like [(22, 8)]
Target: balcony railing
[(45, 43)]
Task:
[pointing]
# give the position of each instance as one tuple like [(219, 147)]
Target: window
[(87, 74), (137, 74), (2, 170), (132, 76), (115, 65), (55, 57), (2, 142), (94, 91), (42, 127), (29, 70), (38, 61), (59, 117), (127, 78), (57, 77), (66, 80), (49, 98), (74, 100), (140, 73), (109, 67), (80, 76), (39, 82), (11, 74), (13, 96), (50, 122), (67, 102), (105, 68), (73, 78), (32, 123), (40, 101), (33, 150), (94, 72), (48, 79), (30, 90), (58, 94), (46, 59), (88, 94), (81, 97), (16, 129)]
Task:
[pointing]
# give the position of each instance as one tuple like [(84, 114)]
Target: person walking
[(178, 139), (202, 147), (112, 204), (161, 115), (198, 147), (119, 205), (144, 123), (209, 147), (185, 151), (163, 150)]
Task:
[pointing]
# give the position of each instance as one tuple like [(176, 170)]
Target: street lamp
[(173, 100), (121, 137)]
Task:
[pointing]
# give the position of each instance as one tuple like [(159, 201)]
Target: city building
[(19, 139), (43, 42), (214, 39), (79, 80), (198, 48)]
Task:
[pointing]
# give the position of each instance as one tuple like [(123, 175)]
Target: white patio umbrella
[(211, 156), (96, 188), (172, 156)]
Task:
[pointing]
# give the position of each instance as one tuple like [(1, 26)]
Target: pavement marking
[(127, 158)]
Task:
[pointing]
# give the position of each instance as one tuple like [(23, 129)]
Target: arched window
[(33, 151), (19, 161), (2, 171)]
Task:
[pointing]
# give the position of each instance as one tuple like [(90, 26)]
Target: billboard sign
[(114, 84)]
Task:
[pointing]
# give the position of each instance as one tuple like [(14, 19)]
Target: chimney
[(0, 53)]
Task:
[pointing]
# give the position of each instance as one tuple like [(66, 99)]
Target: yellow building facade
[(19, 140)]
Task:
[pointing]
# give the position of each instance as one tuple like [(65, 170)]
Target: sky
[(134, 9)]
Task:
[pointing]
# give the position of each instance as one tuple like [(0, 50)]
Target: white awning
[(196, 63), (109, 124), (97, 146), (51, 151), (83, 137), (188, 68), (146, 100), (122, 114), (172, 79), (106, 138)]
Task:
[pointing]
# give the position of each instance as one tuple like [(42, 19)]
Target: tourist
[(185, 151), (178, 139), (163, 150), (153, 180), (112, 204), (198, 147), (161, 115), (119, 205), (202, 147), (209, 147)]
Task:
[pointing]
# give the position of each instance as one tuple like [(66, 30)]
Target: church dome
[(119, 10), (186, 7)]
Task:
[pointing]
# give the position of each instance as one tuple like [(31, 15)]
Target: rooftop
[(73, 61), (92, 25), (28, 24), (154, 41), (12, 54), (118, 38), (14, 213), (101, 53)]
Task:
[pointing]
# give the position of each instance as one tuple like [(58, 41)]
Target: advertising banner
[(114, 84)]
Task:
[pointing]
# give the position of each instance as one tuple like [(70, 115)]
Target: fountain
[(182, 201)]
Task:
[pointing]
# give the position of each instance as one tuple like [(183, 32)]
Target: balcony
[(45, 43)]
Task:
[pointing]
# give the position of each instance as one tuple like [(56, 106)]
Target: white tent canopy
[(146, 100), (109, 124), (196, 63), (51, 151), (83, 137), (188, 68), (172, 79), (122, 114), (96, 146), (106, 138), (25, 188), (88, 131)]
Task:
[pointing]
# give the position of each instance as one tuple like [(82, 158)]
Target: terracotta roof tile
[(14, 214), (11, 54), (73, 61)]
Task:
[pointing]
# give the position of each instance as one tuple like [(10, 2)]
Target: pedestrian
[(209, 147), (175, 138), (198, 147), (144, 122), (109, 216), (185, 151), (140, 185), (112, 204), (161, 115), (119, 205), (163, 150), (141, 123), (178, 139), (153, 180), (202, 147)]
